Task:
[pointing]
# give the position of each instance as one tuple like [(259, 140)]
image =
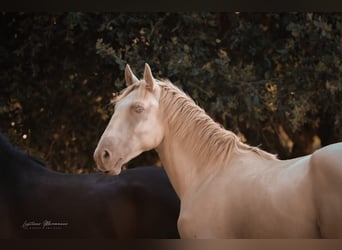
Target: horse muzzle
[(105, 159)]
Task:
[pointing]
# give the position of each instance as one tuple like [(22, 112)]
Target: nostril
[(106, 155)]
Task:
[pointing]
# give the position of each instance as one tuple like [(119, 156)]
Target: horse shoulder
[(326, 165), (326, 168)]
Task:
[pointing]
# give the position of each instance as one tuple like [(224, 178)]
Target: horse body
[(139, 203), (227, 188), (250, 205), (247, 198)]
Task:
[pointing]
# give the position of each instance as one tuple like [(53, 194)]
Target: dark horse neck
[(17, 166)]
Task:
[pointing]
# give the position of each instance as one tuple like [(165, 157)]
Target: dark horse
[(36, 202)]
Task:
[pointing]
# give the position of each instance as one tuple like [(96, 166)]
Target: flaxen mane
[(207, 138)]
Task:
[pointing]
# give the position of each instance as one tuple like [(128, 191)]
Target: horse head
[(135, 126)]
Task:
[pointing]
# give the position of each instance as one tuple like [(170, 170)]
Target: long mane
[(208, 140)]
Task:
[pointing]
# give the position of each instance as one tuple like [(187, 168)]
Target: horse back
[(154, 201)]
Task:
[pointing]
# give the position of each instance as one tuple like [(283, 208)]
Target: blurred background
[(272, 78)]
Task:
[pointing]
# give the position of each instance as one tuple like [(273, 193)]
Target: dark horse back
[(152, 207), (36, 202)]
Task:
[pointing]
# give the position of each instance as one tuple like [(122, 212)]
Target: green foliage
[(273, 78)]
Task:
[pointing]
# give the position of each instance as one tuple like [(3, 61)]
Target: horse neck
[(194, 146), (18, 167), (191, 148), (180, 167)]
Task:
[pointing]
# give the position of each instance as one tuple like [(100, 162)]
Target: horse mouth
[(116, 169)]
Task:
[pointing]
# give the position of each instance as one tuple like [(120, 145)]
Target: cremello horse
[(227, 189)]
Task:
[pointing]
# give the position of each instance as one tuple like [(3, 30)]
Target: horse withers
[(36, 202), (227, 188)]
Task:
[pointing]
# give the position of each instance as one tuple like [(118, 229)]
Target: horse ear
[(148, 77), (129, 76)]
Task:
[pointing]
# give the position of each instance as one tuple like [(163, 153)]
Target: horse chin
[(117, 167), (115, 171)]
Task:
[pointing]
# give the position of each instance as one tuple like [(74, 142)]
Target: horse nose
[(105, 155), (103, 158)]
